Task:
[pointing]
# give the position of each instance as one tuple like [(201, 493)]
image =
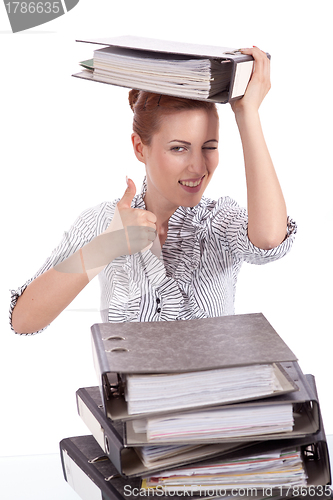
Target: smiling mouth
[(191, 183)]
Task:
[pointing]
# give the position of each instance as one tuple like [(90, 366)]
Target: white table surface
[(40, 477)]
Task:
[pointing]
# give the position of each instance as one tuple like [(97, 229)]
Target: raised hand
[(259, 84), (131, 230), (267, 215), (134, 216)]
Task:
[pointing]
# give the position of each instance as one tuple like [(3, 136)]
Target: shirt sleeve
[(231, 223), (80, 233)]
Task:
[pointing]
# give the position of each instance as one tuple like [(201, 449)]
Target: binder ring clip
[(117, 349), (114, 337), (112, 477), (232, 52), (101, 458), (106, 444)]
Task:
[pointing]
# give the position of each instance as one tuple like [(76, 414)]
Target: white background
[(65, 146)]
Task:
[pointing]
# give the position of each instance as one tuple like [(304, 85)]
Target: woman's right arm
[(51, 292), (45, 298)]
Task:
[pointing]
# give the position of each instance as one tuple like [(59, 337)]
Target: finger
[(143, 218), (260, 51), (128, 196), (140, 217), (139, 238), (151, 217), (151, 234), (141, 232), (263, 62), (150, 225), (257, 54), (261, 69)]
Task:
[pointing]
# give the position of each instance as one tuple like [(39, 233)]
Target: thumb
[(125, 201)]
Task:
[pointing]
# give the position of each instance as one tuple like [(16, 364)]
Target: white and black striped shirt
[(196, 278)]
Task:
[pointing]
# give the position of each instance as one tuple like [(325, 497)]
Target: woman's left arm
[(266, 207)]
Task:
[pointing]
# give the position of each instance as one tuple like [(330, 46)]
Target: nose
[(197, 163)]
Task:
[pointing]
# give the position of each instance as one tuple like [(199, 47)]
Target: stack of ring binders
[(125, 458)]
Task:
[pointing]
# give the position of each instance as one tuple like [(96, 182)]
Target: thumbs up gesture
[(131, 230), (138, 226), (134, 216)]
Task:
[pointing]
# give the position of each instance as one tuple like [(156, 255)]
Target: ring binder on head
[(216, 74)]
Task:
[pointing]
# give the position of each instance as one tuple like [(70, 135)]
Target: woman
[(203, 242)]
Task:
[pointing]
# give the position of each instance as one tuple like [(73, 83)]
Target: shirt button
[(158, 309), (158, 300)]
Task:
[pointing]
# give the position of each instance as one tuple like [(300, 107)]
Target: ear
[(138, 147)]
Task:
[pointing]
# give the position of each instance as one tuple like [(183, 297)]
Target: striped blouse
[(194, 278)]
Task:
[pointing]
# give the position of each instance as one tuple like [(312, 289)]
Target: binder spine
[(75, 469), (109, 382), (96, 421), (241, 75), (83, 475), (100, 359)]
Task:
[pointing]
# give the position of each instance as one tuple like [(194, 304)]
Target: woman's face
[(181, 159)]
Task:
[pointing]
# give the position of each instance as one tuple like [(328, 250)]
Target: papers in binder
[(151, 455), (277, 469), (162, 72), (139, 460), (151, 393), (217, 424)]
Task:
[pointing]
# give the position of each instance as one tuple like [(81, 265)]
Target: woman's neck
[(162, 213)]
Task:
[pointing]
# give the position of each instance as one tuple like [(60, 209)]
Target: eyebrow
[(188, 143)]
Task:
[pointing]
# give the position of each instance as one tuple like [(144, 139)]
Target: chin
[(192, 202)]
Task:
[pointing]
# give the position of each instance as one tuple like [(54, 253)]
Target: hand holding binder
[(259, 83)]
